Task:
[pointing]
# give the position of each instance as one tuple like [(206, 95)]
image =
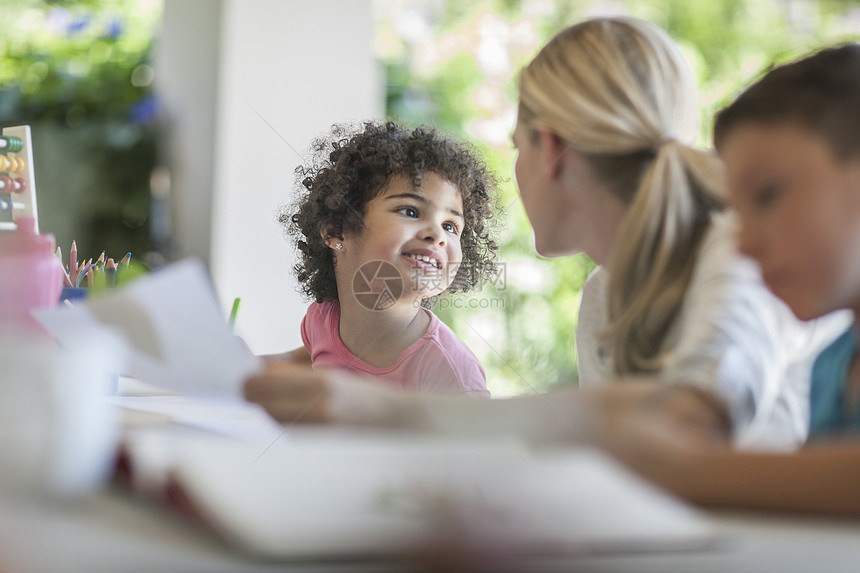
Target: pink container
[(30, 277)]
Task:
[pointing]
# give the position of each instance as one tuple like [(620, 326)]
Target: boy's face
[(799, 212), (415, 230)]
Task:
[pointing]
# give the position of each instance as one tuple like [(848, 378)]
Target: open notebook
[(336, 496)]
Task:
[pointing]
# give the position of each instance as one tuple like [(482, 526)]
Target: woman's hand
[(295, 393), (665, 435)]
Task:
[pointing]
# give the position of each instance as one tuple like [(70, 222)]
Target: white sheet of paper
[(175, 333), (227, 417)]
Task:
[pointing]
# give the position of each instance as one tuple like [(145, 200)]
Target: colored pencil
[(99, 275), (73, 262), (67, 281), (82, 274), (110, 272), (234, 312)]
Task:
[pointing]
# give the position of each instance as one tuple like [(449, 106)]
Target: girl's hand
[(289, 392), (298, 356), (296, 393)]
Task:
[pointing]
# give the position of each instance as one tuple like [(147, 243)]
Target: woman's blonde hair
[(618, 91)]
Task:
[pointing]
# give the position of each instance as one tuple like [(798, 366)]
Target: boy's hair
[(351, 165), (820, 93)]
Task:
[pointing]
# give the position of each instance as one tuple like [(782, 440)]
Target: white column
[(287, 70), (186, 73)]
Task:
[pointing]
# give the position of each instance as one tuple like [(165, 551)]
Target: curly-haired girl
[(387, 218)]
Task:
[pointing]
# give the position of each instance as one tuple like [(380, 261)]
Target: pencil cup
[(73, 294), (58, 437)]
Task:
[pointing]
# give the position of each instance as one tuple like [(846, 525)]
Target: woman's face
[(569, 211), (531, 184), (799, 212)]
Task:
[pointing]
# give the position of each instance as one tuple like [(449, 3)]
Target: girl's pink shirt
[(437, 363)]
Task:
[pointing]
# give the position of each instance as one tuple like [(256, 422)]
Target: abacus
[(17, 181)]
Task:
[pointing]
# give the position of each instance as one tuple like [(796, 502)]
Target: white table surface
[(113, 531)]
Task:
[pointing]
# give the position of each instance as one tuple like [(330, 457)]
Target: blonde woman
[(605, 166)]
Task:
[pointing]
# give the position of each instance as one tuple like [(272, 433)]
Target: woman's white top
[(732, 336)]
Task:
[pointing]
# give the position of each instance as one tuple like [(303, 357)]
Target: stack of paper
[(344, 496)]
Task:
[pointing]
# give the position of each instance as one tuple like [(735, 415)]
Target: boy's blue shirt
[(830, 374)]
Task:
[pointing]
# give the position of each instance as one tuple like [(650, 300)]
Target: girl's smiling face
[(798, 207), (417, 230)]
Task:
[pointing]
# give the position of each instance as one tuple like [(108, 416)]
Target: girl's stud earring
[(338, 246)]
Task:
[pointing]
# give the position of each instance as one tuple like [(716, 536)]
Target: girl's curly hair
[(351, 165)]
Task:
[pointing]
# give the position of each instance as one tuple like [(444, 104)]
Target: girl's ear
[(331, 240), (552, 150)]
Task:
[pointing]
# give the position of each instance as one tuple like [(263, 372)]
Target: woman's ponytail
[(652, 260)]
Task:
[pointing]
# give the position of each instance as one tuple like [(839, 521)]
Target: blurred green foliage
[(77, 72), (453, 63)]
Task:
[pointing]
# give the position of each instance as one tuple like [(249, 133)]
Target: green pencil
[(234, 312)]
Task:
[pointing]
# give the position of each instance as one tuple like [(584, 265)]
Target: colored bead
[(19, 164), (11, 144), (4, 163), (7, 183), (20, 185)]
